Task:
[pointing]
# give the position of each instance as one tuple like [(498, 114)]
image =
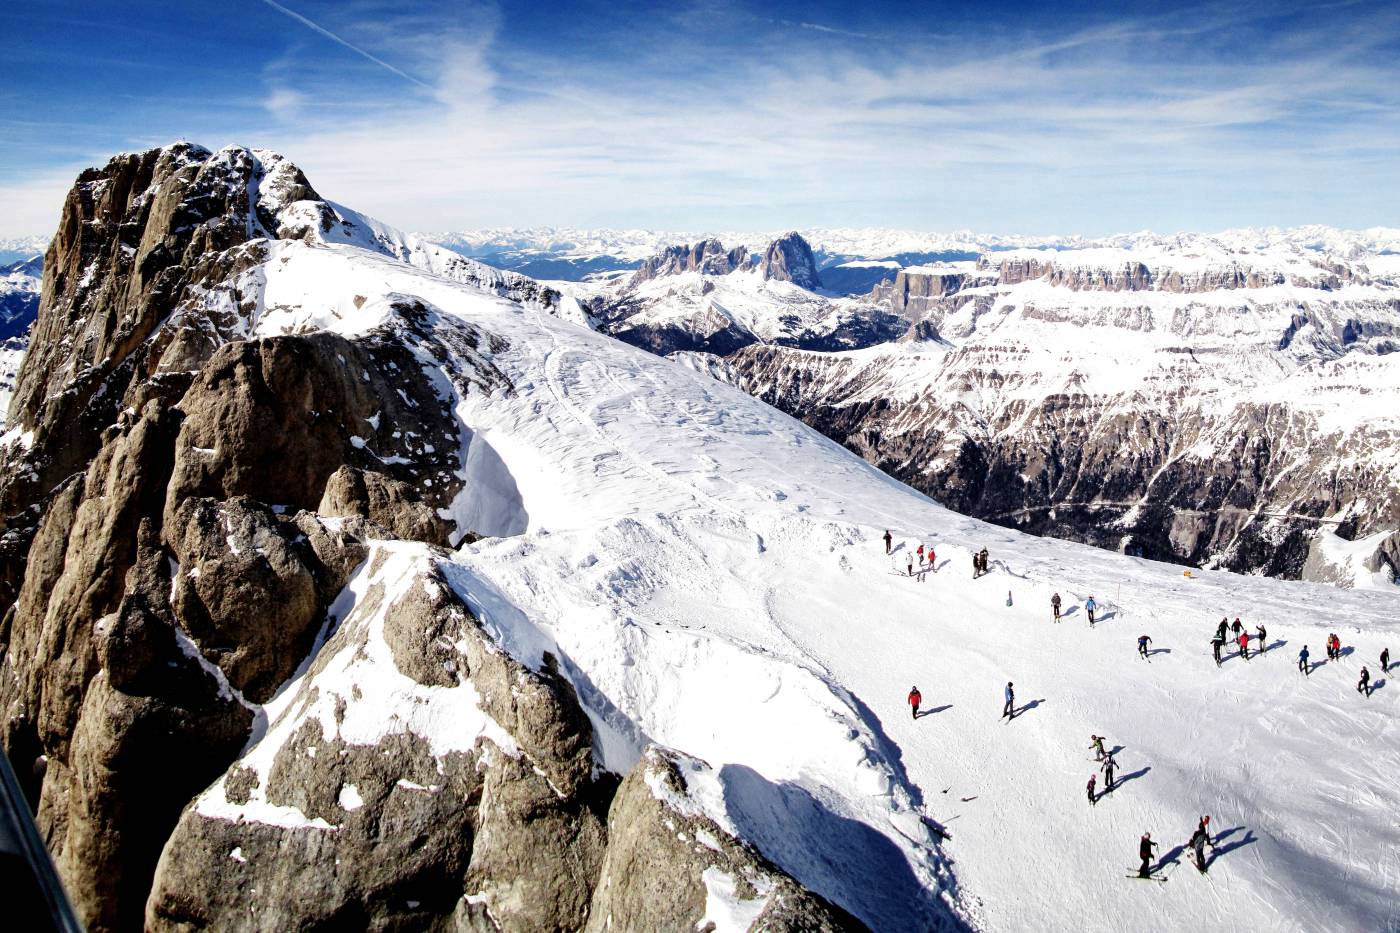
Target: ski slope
[(711, 576)]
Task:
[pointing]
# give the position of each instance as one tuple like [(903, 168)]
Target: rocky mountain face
[(1210, 409), (239, 676), (789, 259)]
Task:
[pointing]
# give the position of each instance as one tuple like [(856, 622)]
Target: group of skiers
[(920, 559), (1147, 849), (1226, 630), (1106, 764), (1334, 653), (1235, 631)]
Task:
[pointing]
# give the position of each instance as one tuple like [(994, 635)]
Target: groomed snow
[(710, 573)]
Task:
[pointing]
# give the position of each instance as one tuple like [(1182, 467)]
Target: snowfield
[(711, 575)]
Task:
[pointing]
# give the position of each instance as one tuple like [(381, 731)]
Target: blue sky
[(998, 117)]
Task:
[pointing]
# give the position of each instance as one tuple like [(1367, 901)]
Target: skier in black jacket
[(1145, 850), (1198, 843), (1364, 684), (1107, 768), (1385, 660), (1216, 644)]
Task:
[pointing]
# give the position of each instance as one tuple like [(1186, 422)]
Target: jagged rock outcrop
[(395, 829), (790, 259), (708, 257), (711, 876)]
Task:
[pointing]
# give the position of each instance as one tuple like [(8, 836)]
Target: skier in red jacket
[(1244, 645), (915, 698)]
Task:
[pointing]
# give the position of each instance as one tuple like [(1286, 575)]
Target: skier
[(1216, 644), (1303, 664), (1145, 850), (930, 559), (982, 558), (1092, 799), (1244, 645), (1009, 710), (889, 540), (1220, 629), (1334, 647), (911, 565), (976, 565), (1385, 660), (1198, 842), (1143, 642), (1364, 684), (920, 552), (1236, 627), (1096, 743), (915, 698), (1107, 768), (1261, 635), (1089, 607), (1055, 606)]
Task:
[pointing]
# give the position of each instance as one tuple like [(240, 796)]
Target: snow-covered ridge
[(682, 536)]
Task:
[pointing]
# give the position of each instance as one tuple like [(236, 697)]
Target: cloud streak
[(323, 31)]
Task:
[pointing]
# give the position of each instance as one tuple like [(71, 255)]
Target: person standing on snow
[(1385, 660), (1108, 767), (889, 541), (982, 560), (1364, 684), (1096, 743), (915, 698), (1216, 644), (920, 552), (1093, 778), (1198, 842), (930, 559), (1009, 710), (1334, 647), (1221, 629), (1089, 607), (1243, 642), (1236, 627), (1055, 606), (1145, 850), (1303, 664), (976, 565), (1261, 635), (1143, 642), (911, 565)]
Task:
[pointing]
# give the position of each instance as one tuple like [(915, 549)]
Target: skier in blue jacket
[(1303, 664), (1009, 710), (1089, 607)]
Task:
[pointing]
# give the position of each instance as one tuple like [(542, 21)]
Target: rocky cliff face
[(242, 683), (708, 257), (789, 259), (1187, 433)]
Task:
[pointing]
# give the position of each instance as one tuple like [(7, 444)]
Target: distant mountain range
[(571, 254)]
